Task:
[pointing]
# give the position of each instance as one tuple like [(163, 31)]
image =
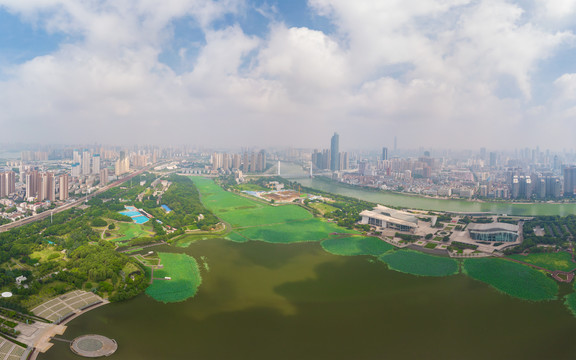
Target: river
[(419, 202), (265, 301)]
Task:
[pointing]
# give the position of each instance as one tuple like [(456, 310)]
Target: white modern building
[(387, 218), (497, 232)]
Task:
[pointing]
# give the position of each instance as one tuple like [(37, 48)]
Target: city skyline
[(462, 73)]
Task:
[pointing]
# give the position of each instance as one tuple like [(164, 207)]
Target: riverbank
[(432, 204)]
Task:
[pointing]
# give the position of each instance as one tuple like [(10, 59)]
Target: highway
[(78, 202)]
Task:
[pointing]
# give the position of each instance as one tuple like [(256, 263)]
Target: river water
[(290, 170), (265, 301)]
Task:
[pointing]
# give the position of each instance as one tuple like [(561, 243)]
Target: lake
[(270, 301)]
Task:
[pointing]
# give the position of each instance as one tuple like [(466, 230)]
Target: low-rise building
[(386, 218), (496, 232)]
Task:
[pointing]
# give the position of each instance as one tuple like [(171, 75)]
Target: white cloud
[(427, 69)]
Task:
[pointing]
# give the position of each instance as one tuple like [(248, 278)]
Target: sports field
[(417, 263), (128, 231), (185, 278), (512, 278), (253, 220), (356, 245), (551, 261)]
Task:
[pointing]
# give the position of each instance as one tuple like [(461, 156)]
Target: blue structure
[(166, 208)]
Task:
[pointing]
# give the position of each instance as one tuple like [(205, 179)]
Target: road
[(76, 203)]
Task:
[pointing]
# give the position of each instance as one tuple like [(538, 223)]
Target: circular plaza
[(93, 346)]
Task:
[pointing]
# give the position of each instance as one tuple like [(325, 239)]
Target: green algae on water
[(552, 261), (512, 278), (356, 245), (184, 281), (416, 263)]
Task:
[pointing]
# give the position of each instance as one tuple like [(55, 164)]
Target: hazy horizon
[(457, 74)]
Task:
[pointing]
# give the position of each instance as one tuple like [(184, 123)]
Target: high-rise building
[(384, 153), (7, 183), (86, 157), (237, 161), (122, 164), (96, 164), (343, 156), (103, 177), (570, 181), (335, 152), (76, 158), (32, 183), (75, 170), (493, 159), (47, 189), (64, 182)]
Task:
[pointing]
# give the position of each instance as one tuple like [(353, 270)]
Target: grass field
[(322, 207), (252, 220), (356, 245), (128, 231), (551, 261), (185, 274), (250, 187), (46, 254), (416, 263), (512, 278)]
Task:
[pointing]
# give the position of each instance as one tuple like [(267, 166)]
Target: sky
[(289, 73)]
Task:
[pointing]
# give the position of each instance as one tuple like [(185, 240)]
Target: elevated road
[(71, 205)]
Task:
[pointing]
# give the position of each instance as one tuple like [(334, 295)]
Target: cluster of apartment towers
[(247, 161), (43, 185)]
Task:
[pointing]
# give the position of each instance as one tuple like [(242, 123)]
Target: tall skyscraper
[(47, 189), (86, 162), (334, 152), (64, 187), (32, 183), (10, 177), (103, 177), (7, 183), (384, 153), (570, 181), (395, 145), (76, 158), (96, 164), (122, 164)]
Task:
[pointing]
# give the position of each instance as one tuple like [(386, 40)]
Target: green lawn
[(322, 207), (46, 254), (356, 245), (551, 261), (512, 278), (416, 263), (185, 274), (128, 231), (250, 187), (252, 220)]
